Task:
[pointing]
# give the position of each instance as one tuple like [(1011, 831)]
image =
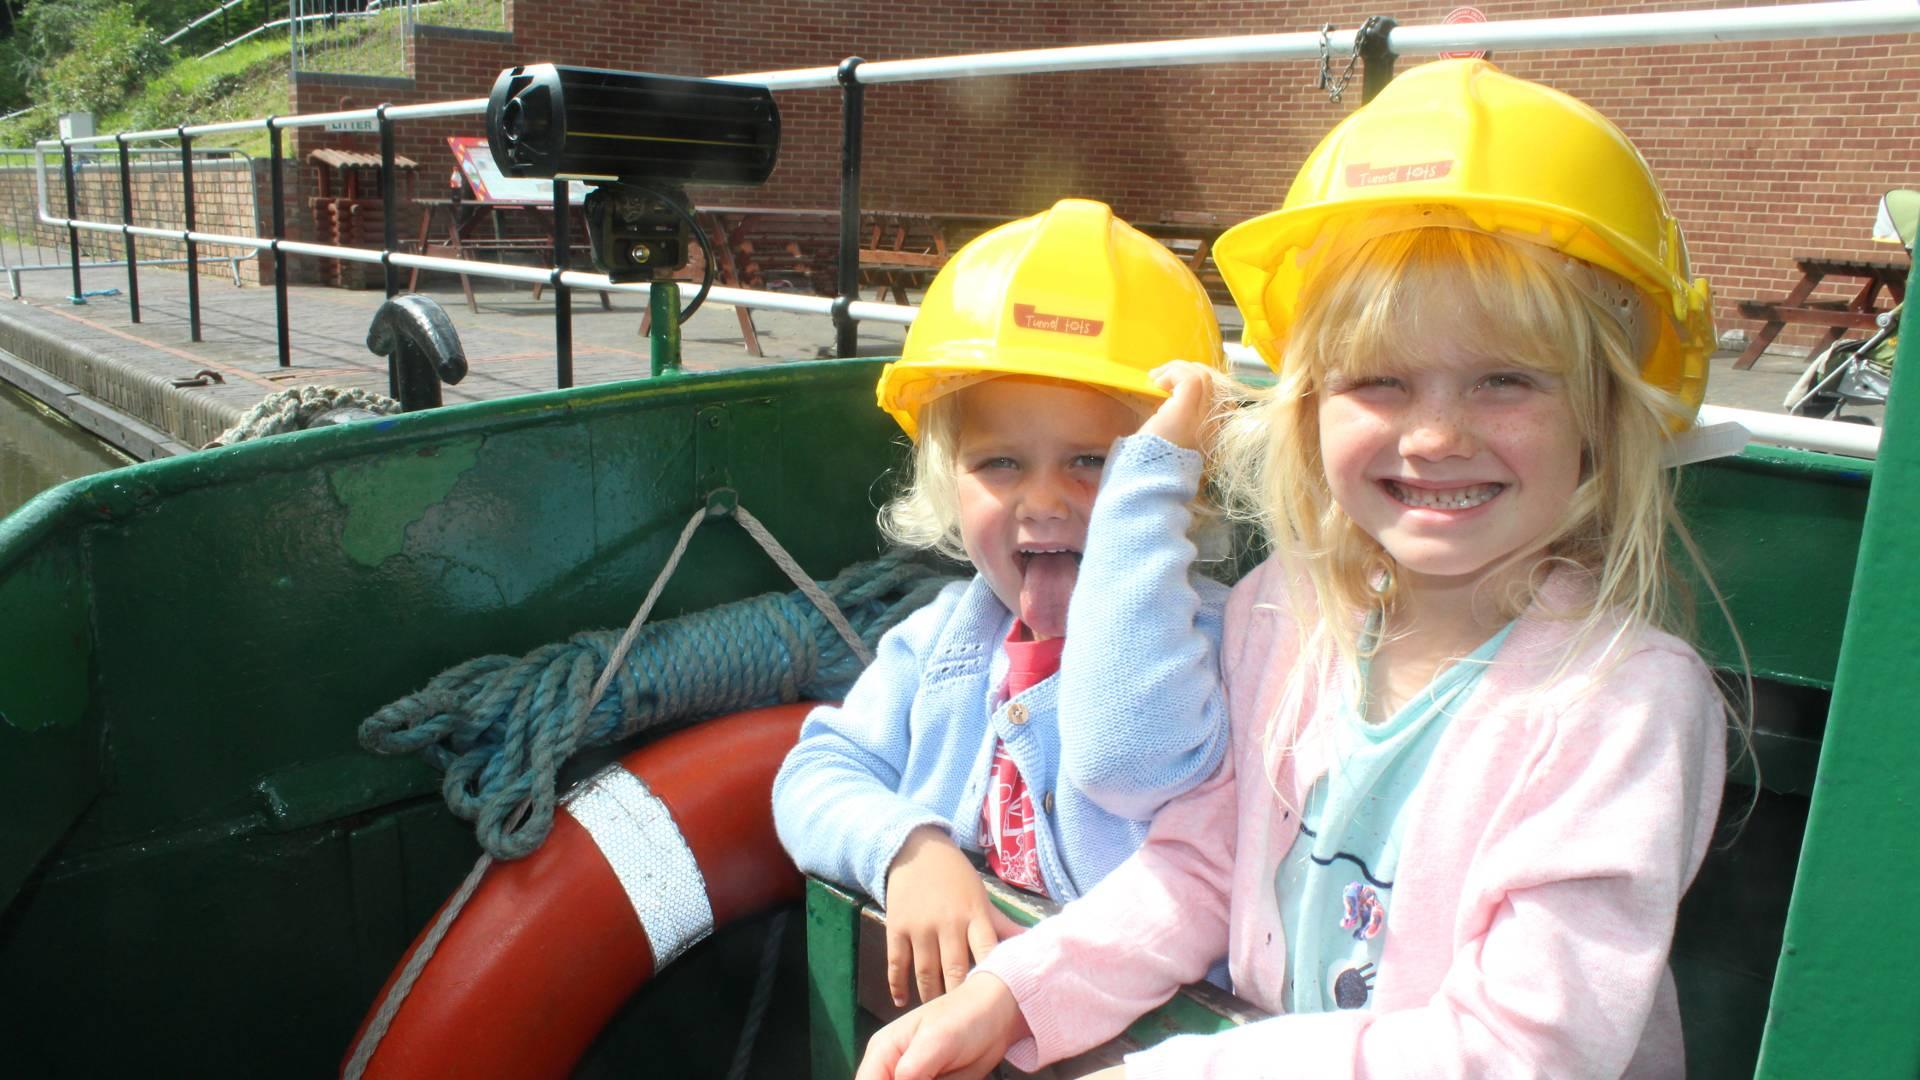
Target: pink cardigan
[(1547, 850)]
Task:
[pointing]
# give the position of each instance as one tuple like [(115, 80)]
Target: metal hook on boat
[(422, 349)]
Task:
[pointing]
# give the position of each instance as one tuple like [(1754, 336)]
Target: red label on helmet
[(1025, 315), (1365, 175)]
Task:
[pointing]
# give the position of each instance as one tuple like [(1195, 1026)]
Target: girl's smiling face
[(1029, 457), (1453, 461)]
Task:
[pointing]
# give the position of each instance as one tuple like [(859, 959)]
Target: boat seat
[(847, 964)]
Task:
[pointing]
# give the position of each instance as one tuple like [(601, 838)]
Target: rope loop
[(500, 728), (296, 409)]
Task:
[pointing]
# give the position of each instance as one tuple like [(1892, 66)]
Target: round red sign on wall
[(1465, 15)]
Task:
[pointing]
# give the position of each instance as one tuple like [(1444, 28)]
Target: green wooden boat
[(201, 871)]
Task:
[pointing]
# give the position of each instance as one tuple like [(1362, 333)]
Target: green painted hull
[(202, 870)]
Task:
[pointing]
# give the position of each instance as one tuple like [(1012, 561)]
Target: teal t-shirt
[(1335, 885)]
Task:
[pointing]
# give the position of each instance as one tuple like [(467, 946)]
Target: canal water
[(39, 448)]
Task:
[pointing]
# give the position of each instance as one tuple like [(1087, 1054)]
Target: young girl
[(1037, 347), (1470, 777)]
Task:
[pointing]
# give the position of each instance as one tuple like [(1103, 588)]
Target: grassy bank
[(251, 79)]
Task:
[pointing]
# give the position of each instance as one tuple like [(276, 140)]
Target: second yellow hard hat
[(1516, 159)]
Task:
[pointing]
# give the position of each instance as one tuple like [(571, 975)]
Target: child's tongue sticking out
[(1046, 584)]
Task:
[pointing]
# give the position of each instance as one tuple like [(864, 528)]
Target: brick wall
[(230, 195), (1766, 150)]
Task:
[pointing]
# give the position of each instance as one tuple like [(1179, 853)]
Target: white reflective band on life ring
[(633, 829)]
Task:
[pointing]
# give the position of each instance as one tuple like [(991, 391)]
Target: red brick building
[(1767, 150)]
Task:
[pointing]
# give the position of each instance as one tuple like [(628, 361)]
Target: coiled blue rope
[(500, 727)]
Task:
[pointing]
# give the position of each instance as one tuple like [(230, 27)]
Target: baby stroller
[(1859, 372)]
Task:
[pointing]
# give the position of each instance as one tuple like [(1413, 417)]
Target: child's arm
[(836, 800), (838, 811), (1143, 716), (1156, 923)]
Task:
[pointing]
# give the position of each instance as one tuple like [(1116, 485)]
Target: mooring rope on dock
[(296, 409)]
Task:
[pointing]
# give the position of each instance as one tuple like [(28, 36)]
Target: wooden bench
[(904, 249), (1839, 316), (765, 248), (775, 248)]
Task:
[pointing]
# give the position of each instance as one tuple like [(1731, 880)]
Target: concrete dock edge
[(132, 407)]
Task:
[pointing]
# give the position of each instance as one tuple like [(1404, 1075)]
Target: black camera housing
[(638, 137), (635, 231)]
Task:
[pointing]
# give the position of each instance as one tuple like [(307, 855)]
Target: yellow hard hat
[(1514, 158), (1073, 293)]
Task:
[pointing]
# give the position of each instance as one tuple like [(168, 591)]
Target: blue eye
[(995, 463), (1090, 461), (1508, 380)]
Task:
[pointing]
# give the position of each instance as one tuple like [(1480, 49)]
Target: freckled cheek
[(1543, 446)]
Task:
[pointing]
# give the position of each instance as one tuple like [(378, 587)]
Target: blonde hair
[(1364, 314), (926, 512)]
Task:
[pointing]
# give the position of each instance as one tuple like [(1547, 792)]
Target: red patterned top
[(1007, 818)]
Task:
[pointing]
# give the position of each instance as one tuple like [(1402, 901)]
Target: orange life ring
[(549, 946)]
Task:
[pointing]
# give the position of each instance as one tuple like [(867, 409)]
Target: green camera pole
[(663, 312)]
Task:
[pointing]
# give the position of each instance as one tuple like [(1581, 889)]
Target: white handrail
[(1846, 19), (1851, 18), (209, 16), (1799, 432)]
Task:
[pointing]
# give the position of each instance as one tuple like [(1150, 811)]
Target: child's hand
[(939, 920), (963, 1035), (1182, 418)]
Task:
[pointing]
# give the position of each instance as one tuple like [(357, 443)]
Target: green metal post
[(663, 311), (833, 935), (1845, 998)]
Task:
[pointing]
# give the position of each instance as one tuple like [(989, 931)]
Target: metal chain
[(1335, 86)]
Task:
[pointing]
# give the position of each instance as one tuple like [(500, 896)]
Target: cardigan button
[(1017, 713), (1046, 802)]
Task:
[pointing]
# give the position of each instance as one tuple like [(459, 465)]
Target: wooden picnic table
[(461, 218), (902, 249), (767, 247), (1857, 313), (773, 247)]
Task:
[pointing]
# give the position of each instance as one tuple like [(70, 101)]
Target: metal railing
[(28, 244), (219, 13), (1801, 21)]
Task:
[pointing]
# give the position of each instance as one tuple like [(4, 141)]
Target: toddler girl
[(1470, 776), (1037, 347)]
